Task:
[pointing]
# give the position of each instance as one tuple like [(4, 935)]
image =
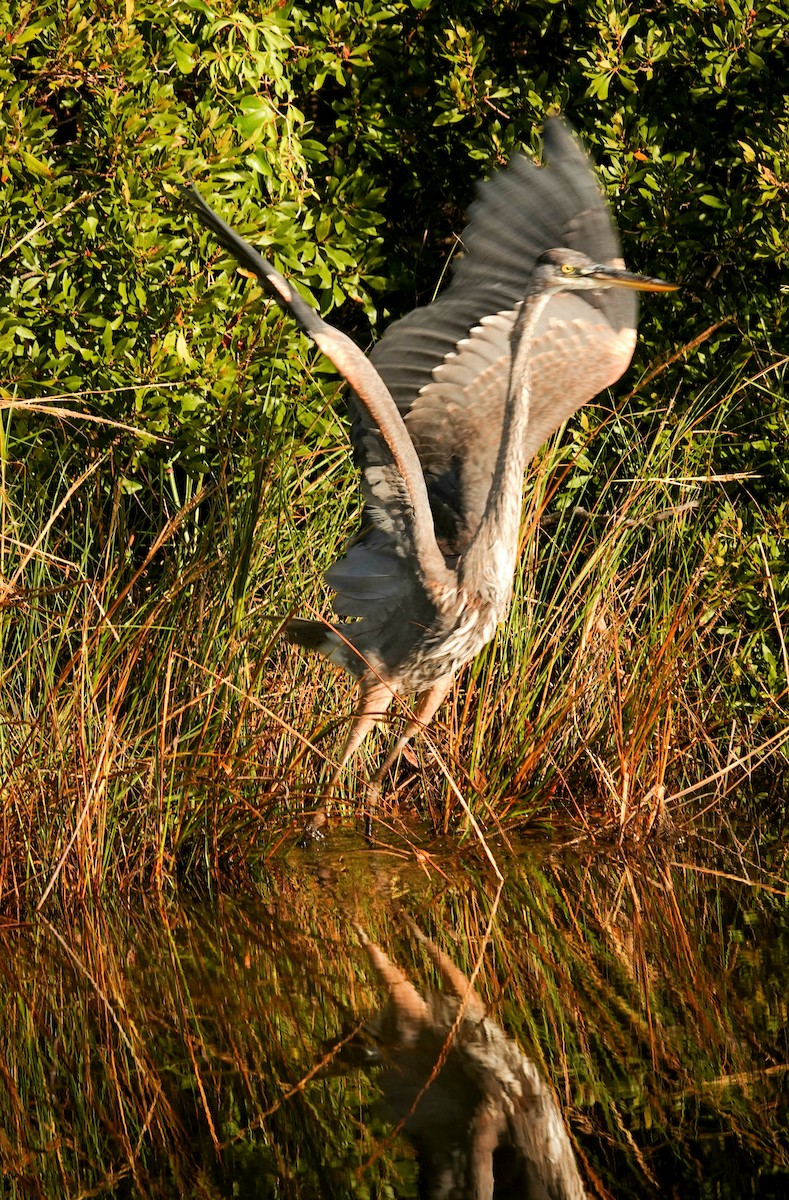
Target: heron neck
[(488, 565)]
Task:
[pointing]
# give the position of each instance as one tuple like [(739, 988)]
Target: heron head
[(569, 270)]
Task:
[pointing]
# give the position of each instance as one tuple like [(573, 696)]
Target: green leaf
[(36, 165)]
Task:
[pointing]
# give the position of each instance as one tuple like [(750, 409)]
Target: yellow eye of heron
[(568, 269)]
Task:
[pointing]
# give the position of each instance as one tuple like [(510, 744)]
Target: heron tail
[(313, 635), (317, 635)]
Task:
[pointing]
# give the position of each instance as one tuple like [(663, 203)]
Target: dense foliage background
[(174, 469)]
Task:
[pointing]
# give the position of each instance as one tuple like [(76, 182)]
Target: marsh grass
[(631, 686), (155, 727), (613, 662)]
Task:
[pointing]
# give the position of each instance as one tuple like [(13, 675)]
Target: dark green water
[(267, 1046)]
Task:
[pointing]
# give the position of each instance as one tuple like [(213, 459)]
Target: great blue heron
[(540, 316)]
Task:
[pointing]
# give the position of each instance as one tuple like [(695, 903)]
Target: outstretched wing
[(394, 486), (447, 364)]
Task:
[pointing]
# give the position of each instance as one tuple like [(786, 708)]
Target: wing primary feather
[(408, 493), (275, 284)]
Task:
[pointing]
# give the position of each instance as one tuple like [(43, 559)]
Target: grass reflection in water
[(194, 1050)]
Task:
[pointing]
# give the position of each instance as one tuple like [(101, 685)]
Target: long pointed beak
[(619, 277)]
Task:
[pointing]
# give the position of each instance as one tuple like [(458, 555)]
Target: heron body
[(448, 410), (450, 618)]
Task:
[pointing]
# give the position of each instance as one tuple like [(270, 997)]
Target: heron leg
[(427, 703), (374, 699)]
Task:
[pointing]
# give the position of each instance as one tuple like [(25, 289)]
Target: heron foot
[(372, 800), (314, 831)]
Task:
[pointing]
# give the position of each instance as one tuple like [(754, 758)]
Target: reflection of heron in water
[(456, 398), (486, 1124)]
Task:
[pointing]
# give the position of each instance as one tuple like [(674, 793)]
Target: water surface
[(611, 1022)]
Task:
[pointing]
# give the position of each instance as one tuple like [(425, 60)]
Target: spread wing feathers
[(520, 212), (456, 420), (447, 364), (394, 485)]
